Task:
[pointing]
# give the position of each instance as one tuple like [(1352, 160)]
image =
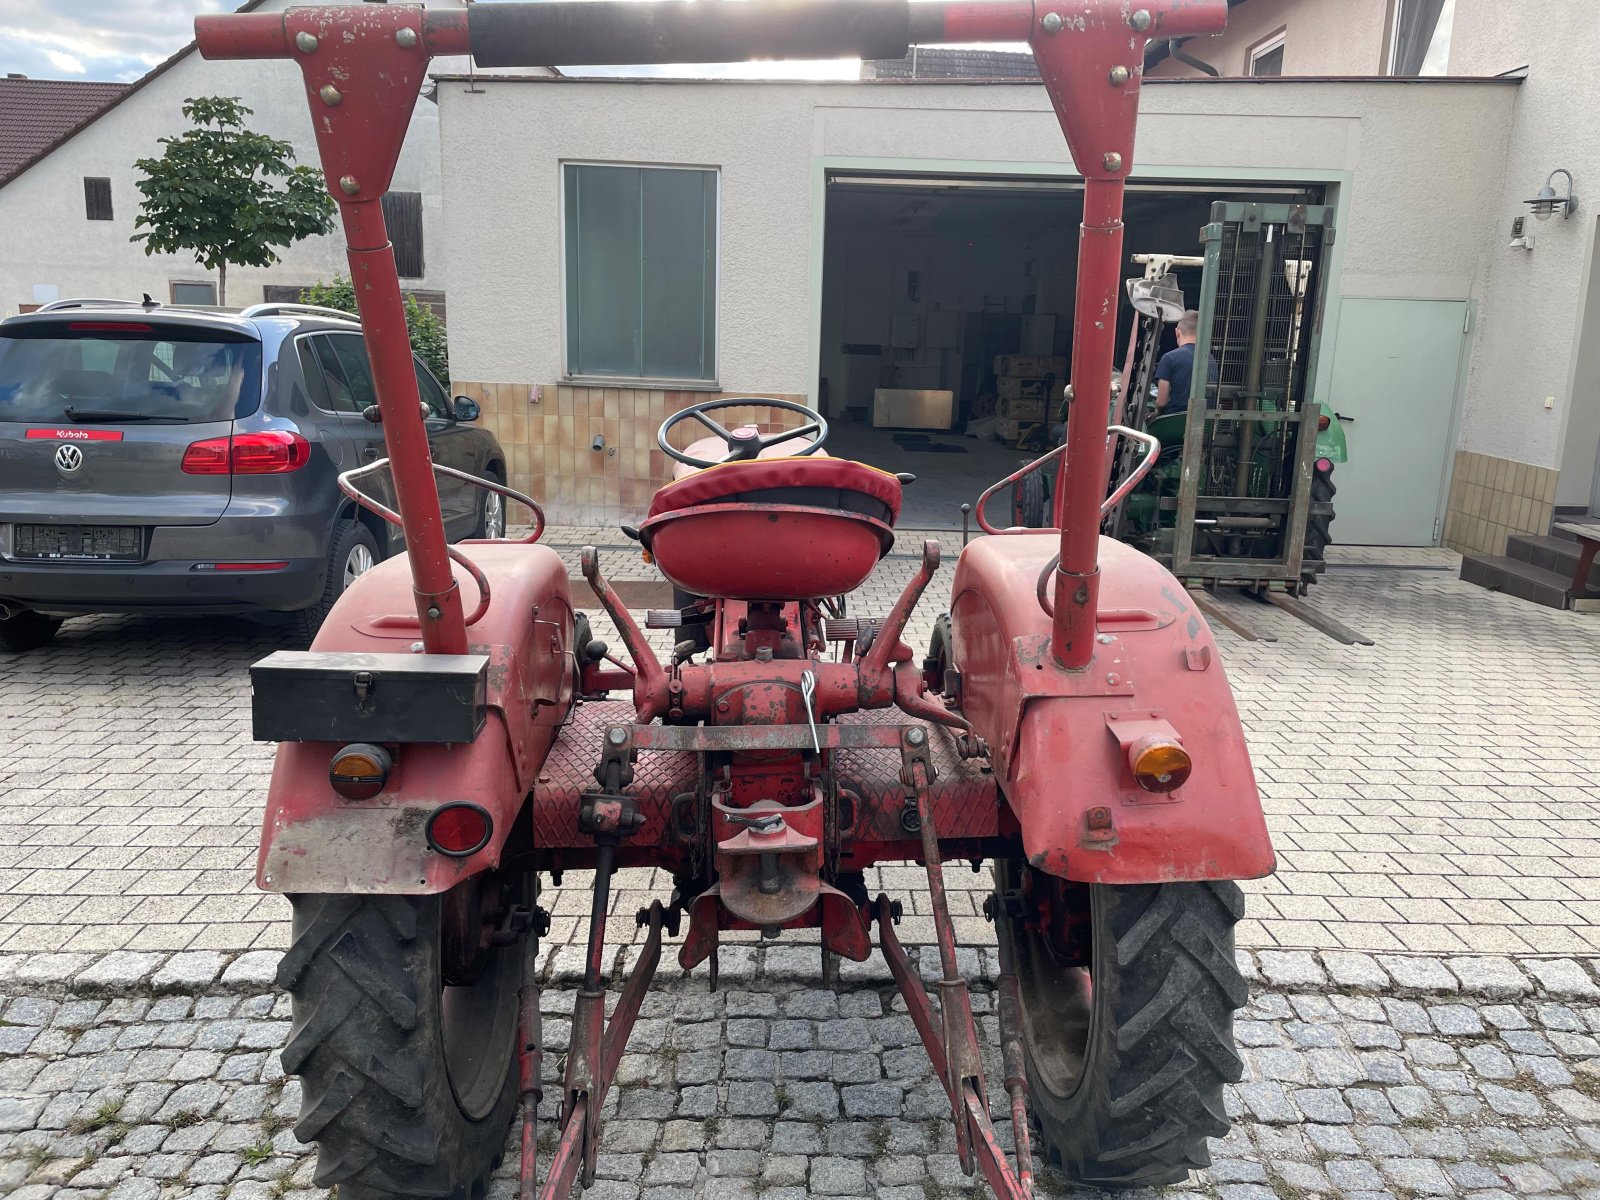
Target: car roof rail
[(297, 310), (96, 302)]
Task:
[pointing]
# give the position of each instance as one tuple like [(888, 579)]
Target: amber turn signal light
[(358, 772), (1159, 764), (459, 830)]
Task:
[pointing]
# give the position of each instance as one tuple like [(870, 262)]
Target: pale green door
[(1395, 373)]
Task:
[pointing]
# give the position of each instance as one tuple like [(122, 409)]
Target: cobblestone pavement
[(1394, 1080), (1427, 794), (1437, 841)]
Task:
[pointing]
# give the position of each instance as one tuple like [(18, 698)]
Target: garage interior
[(928, 280)]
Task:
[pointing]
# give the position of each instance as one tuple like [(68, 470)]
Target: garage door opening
[(947, 308)]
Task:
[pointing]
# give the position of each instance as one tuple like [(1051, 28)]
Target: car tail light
[(1323, 422), (1159, 764), (459, 830), (273, 452), (109, 327), (1325, 465), (358, 772)]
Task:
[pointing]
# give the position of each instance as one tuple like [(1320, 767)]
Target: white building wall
[(46, 240), (1321, 37), (1422, 161), (1529, 346)]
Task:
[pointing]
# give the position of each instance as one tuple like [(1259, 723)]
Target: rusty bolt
[(617, 736), (1111, 161), (433, 613), (305, 42), (1113, 679), (1052, 23), (1120, 75), (349, 186), (722, 706), (330, 95), (916, 735), (1140, 20), (405, 37)]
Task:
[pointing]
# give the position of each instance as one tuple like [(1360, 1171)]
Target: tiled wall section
[(1493, 498), (548, 433)]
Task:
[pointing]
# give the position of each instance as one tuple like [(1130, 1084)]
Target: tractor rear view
[(457, 737)]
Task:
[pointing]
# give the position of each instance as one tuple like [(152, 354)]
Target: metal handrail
[(94, 302), (273, 309), (1041, 589), (347, 486), (1126, 486)]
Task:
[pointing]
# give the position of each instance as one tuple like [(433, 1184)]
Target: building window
[(402, 213), (641, 272), (96, 198), (193, 292), (1419, 37), (1266, 58)]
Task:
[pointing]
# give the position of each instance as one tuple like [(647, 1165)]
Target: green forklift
[(1242, 495)]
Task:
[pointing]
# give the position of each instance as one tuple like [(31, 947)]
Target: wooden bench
[(1587, 535)]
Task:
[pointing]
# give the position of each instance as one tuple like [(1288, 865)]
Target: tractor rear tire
[(1126, 1062), (1319, 534), (1030, 501), (408, 1086)]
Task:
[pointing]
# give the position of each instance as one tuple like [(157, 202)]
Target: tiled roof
[(35, 114)]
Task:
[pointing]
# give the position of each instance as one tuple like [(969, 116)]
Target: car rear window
[(97, 370)]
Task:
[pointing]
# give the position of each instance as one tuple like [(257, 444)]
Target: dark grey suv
[(163, 460)]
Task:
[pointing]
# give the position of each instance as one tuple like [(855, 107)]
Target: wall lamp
[(1546, 202)]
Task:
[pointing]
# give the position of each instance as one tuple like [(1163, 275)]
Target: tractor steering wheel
[(744, 443)]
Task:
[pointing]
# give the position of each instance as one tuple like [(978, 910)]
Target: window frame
[(1392, 48), (174, 284), (391, 201), (1273, 41), (111, 208), (714, 384)]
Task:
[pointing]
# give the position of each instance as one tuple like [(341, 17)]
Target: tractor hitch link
[(953, 1046)]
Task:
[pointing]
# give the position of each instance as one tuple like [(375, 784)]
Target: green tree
[(226, 193), (427, 331)]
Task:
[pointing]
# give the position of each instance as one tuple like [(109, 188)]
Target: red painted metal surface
[(766, 551), (315, 841), (1054, 756)]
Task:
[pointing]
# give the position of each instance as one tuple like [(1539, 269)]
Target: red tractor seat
[(773, 528), (818, 482)]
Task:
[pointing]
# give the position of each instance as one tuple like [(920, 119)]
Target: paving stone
[(1348, 969), (1291, 968), (1418, 974), (838, 1177), (1563, 977), (119, 971), (188, 971), (1490, 975), (253, 969)]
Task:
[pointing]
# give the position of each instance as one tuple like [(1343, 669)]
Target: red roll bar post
[(364, 68), (363, 83)]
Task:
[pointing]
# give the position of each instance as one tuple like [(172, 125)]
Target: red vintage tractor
[(451, 736)]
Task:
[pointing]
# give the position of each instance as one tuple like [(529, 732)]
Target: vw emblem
[(68, 458)]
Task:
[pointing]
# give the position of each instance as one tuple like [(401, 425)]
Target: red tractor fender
[(313, 840), (1060, 739)]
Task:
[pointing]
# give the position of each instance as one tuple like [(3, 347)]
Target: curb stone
[(145, 973)]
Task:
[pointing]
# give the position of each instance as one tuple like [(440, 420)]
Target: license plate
[(79, 543)]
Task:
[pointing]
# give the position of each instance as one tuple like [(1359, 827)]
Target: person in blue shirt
[(1175, 371)]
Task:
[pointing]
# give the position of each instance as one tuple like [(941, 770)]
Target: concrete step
[(1552, 553), (1516, 578)]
